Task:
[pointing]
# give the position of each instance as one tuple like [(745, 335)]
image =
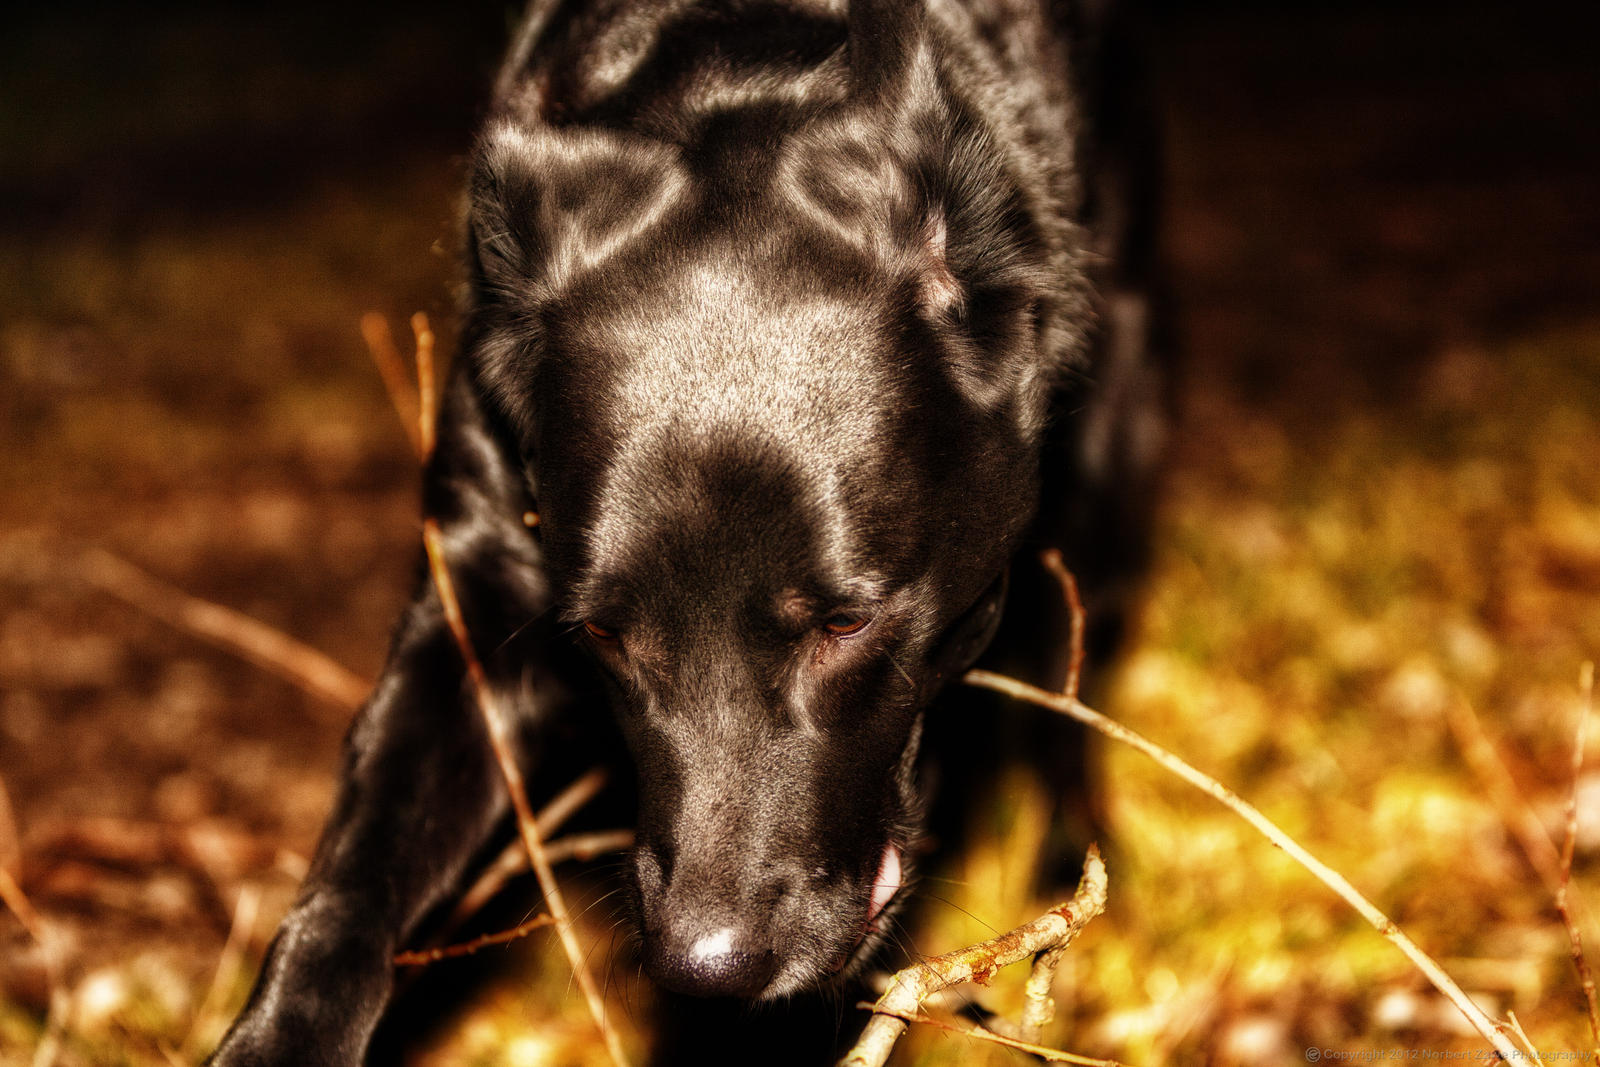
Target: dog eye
[(844, 624), (598, 632)]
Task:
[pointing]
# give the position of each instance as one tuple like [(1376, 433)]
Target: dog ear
[(957, 221), (949, 190), (545, 206), (980, 268), (549, 203)]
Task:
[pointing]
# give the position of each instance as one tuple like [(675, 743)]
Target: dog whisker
[(522, 628), (947, 902)]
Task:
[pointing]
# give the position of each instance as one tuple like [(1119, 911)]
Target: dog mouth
[(884, 886)]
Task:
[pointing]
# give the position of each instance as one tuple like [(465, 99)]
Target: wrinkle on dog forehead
[(788, 382)]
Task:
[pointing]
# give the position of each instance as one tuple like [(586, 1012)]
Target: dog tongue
[(887, 883)]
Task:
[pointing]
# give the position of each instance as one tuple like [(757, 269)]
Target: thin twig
[(908, 988), (11, 894), (1039, 1007), (402, 394), (467, 948), (565, 804), (426, 421), (15, 899), (585, 847), (257, 642), (244, 924), (1519, 817), (1553, 866), (514, 859), (1044, 1053), (10, 839), (1574, 935), (427, 402), (499, 730), (55, 1021), (572, 847), (1528, 1050), (1495, 1033), (1051, 558)]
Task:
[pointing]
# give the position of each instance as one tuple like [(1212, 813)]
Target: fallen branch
[(513, 860), (499, 739), (421, 420), (234, 631), (1553, 865), (1038, 1006), (1051, 1054), (978, 963), (1495, 1033)]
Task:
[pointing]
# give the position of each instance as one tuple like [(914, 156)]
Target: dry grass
[(1332, 583)]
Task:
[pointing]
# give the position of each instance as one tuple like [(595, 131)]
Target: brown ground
[(1386, 248)]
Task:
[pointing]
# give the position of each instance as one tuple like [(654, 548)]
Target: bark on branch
[(1496, 1033), (1051, 931)]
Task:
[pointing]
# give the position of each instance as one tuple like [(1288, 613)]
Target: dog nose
[(718, 963)]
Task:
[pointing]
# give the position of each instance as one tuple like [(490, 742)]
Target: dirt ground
[(1384, 506)]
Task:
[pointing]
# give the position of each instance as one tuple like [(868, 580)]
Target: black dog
[(780, 318)]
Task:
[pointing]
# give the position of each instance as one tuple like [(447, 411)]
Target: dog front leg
[(420, 795)]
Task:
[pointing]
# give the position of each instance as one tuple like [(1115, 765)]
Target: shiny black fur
[(782, 320)]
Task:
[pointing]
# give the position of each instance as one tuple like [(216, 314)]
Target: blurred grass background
[(1384, 505)]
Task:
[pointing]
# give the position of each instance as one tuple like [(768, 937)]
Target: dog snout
[(707, 960), (706, 934)]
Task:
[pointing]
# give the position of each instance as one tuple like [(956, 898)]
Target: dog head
[(776, 378)]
